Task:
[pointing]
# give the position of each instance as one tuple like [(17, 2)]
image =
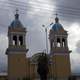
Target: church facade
[(21, 67)]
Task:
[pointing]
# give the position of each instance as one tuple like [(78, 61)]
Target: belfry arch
[(58, 42), (14, 40), (20, 40)]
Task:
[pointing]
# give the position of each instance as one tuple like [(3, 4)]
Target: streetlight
[(47, 43), (46, 35), (46, 38)]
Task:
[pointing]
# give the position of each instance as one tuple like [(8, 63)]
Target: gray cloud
[(78, 46), (69, 10)]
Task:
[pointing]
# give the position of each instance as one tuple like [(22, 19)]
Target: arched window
[(58, 42), (20, 40), (63, 42), (14, 40)]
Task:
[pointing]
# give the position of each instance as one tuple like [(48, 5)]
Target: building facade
[(21, 67)]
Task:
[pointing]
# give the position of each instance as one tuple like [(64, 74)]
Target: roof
[(16, 22), (57, 27)]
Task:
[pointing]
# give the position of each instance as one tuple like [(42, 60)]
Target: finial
[(17, 11), (17, 15), (56, 19), (56, 14)]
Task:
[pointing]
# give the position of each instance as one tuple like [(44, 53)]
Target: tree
[(43, 66)]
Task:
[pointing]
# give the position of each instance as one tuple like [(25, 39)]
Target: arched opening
[(20, 40), (58, 42), (63, 42), (14, 40)]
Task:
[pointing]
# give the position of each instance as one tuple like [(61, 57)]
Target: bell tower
[(16, 50), (59, 51)]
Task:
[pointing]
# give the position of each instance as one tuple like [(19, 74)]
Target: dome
[(16, 22), (57, 27)]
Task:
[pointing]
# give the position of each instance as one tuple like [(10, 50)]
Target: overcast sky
[(35, 13)]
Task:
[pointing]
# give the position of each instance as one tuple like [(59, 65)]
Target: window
[(14, 40), (20, 40), (58, 42), (63, 42)]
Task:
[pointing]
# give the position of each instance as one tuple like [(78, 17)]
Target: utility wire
[(17, 3), (60, 11), (37, 5), (64, 11)]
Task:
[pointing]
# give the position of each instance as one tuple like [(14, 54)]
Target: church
[(21, 67)]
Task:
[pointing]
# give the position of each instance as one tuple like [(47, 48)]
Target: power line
[(71, 11), (17, 3), (21, 5), (65, 12), (65, 7), (49, 10)]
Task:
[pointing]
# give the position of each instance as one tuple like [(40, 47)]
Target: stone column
[(17, 40), (66, 44), (11, 40), (61, 43), (24, 40), (55, 42)]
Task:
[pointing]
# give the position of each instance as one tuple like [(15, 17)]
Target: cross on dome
[(17, 11), (17, 15), (56, 19), (56, 14)]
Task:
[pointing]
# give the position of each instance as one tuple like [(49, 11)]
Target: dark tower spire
[(17, 15)]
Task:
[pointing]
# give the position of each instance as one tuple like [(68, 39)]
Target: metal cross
[(17, 11), (56, 14)]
